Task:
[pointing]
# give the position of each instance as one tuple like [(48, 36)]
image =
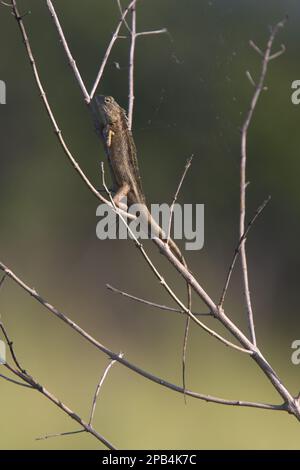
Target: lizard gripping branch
[(112, 126)]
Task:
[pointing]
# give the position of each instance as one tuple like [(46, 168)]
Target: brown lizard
[(111, 124)]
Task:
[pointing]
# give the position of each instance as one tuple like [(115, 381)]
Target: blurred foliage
[(191, 97)]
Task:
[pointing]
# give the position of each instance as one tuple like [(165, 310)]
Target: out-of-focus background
[(191, 97)]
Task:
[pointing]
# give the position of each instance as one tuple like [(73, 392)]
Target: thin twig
[(153, 304), (15, 381), (92, 188), (279, 53), (49, 111), (31, 381), (10, 345), (133, 36), (154, 31), (250, 78), (98, 388), (258, 90), (71, 60), (186, 168), (256, 48), (59, 434), (2, 280), (121, 11), (237, 250), (131, 66), (290, 403), (126, 363), (87, 181), (164, 283), (188, 319), (63, 317), (109, 48)]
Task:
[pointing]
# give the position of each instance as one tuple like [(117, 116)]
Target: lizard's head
[(108, 109)]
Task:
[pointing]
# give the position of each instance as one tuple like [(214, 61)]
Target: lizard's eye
[(107, 99)]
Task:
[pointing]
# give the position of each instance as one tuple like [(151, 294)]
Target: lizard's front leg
[(122, 191), (107, 134)]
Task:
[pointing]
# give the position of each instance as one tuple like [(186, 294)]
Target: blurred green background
[(191, 97)]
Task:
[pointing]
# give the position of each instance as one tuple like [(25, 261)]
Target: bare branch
[(71, 60), (186, 168), (256, 48), (188, 319), (154, 32), (131, 66), (109, 48), (237, 250), (59, 434), (164, 283), (33, 383), (63, 317), (98, 388), (279, 53), (2, 280), (121, 360), (57, 131), (153, 304), (249, 76), (133, 36), (10, 345), (121, 11), (15, 381), (290, 403), (258, 90)]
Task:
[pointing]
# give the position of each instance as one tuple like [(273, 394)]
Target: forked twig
[(186, 169), (161, 279), (153, 304), (131, 66), (129, 365), (11, 348), (16, 382), (259, 88), (188, 319), (290, 403), (59, 434), (69, 433), (109, 48), (32, 383), (237, 250), (98, 388), (133, 37), (71, 60)]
